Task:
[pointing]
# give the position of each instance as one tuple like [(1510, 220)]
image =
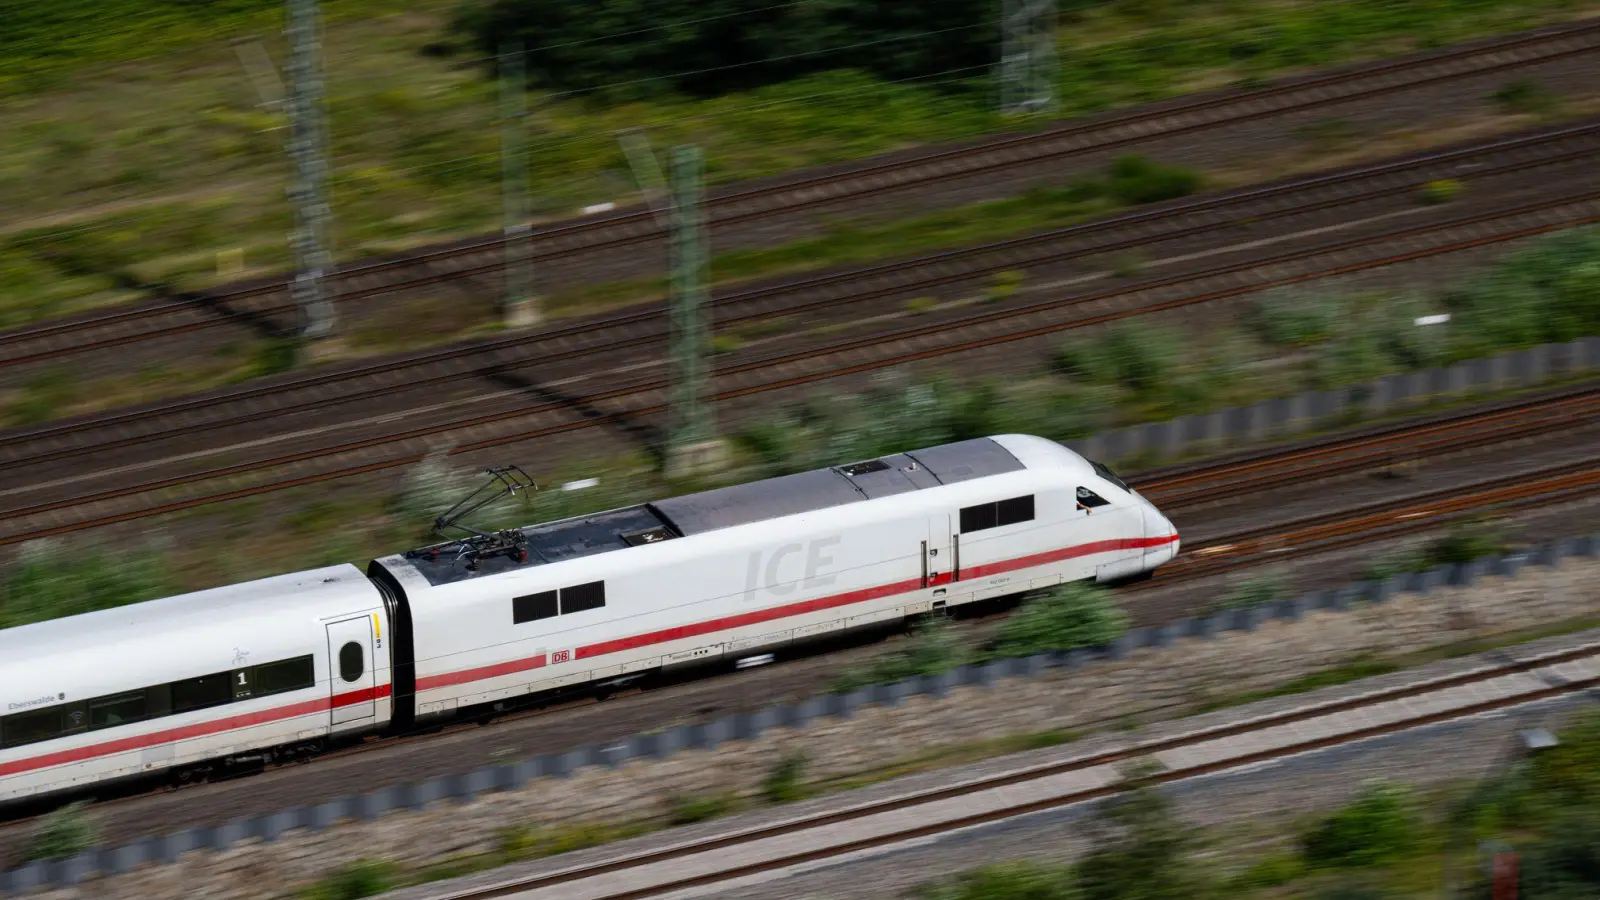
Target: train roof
[(756, 501), (312, 594), (95, 652)]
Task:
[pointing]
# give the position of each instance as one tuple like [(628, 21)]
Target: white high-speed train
[(281, 667)]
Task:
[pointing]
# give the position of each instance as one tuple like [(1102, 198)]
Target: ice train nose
[(1159, 528)]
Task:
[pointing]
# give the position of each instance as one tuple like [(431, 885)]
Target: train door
[(939, 562), (351, 659)]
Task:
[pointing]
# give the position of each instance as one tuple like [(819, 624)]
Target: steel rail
[(1526, 418), (807, 356), (944, 818), (992, 155), (1362, 524), (552, 345), (1408, 515)]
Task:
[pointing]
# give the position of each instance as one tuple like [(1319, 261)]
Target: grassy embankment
[(133, 148)]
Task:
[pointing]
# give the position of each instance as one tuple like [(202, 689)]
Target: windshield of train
[(1110, 476)]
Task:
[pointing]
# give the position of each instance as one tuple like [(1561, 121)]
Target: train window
[(1017, 509), (118, 709), (994, 515), (977, 518), (75, 718), (288, 675), (533, 607), (1104, 472), (1089, 499), (159, 700), (200, 693), (581, 597), (31, 727), (350, 661)]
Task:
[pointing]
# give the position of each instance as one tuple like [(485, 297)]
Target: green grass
[(132, 140), (845, 243), (1354, 670)]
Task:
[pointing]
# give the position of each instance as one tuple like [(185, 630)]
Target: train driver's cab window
[(1104, 472), (1088, 499)]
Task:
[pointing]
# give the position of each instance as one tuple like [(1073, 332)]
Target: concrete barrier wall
[(1155, 442), (466, 786)]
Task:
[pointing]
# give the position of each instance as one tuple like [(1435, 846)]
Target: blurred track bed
[(263, 303), (1459, 446), (312, 428)]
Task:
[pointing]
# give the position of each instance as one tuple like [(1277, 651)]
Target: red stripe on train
[(448, 679), (480, 673), (196, 730)]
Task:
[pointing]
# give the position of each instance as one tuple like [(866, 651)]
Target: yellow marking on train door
[(377, 626)]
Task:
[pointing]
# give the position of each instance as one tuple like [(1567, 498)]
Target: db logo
[(560, 656)]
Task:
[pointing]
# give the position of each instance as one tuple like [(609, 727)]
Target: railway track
[(1378, 522), (1381, 448), (1303, 462), (645, 330), (961, 331), (737, 853), (266, 300)]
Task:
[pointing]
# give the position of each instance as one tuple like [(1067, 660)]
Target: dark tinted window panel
[(351, 663), (533, 607), (158, 699), (579, 598), (862, 468), (977, 518), (118, 709), (75, 718), (1104, 472), (19, 729), (1017, 509), (199, 693), (280, 677), (1090, 499)]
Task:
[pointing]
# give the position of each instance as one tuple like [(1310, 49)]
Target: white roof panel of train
[(732, 506), (258, 612)]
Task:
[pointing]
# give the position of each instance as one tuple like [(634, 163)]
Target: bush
[(686, 810), (1548, 292), (51, 579), (1006, 881), (362, 879), (1524, 96), (712, 47), (1134, 180), (782, 784), (934, 647), (46, 396), (1465, 542), (1295, 318), (1071, 616), (63, 834), (1141, 852), (1269, 872), (1138, 357), (1378, 828)]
